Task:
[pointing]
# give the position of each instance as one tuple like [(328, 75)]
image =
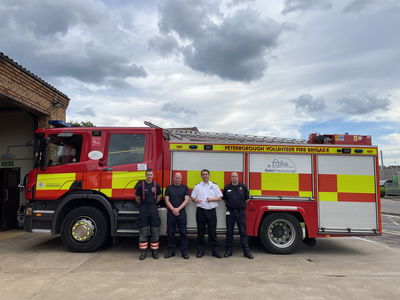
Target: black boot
[(228, 253), (143, 254), (154, 254), (248, 255), (169, 254)]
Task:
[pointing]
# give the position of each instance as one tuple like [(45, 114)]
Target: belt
[(205, 208), (235, 209)]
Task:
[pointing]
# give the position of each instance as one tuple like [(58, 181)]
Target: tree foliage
[(75, 123)]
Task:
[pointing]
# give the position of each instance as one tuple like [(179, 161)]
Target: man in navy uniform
[(176, 198), (206, 195), (148, 194), (236, 196)]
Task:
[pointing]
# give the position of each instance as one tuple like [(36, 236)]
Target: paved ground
[(391, 205), (36, 266), (390, 222)]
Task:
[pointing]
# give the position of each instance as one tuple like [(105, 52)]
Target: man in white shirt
[(206, 195)]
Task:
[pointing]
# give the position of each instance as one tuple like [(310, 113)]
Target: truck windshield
[(63, 150)]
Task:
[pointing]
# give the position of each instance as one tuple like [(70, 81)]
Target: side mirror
[(101, 162)]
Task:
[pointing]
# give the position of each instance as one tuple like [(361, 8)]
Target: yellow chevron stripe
[(126, 180), (59, 181)]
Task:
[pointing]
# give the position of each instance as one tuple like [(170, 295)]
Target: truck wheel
[(84, 229), (280, 233)]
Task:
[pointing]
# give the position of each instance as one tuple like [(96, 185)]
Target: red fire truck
[(83, 183)]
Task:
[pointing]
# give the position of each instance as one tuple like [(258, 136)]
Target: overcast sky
[(270, 67)]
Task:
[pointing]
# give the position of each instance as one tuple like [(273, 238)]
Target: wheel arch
[(297, 212), (74, 200)]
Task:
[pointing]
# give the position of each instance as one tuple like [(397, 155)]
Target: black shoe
[(154, 254), (143, 255), (200, 254), (185, 255), (248, 255), (217, 255), (169, 254), (227, 253)]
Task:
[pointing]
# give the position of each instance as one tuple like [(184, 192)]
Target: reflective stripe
[(255, 192), (280, 181), (107, 192), (127, 231), (194, 177), (282, 207), (305, 194), (143, 245), (41, 230), (126, 212), (356, 184), (58, 181), (126, 180), (322, 149), (43, 211), (328, 196)]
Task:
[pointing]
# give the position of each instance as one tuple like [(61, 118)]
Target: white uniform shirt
[(202, 191)]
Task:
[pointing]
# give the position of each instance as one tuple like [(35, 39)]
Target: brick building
[(26, 103)]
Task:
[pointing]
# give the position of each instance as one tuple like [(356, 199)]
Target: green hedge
[(382, 191)]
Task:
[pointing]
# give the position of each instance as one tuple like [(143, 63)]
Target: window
[(63, 150), (126, 149)]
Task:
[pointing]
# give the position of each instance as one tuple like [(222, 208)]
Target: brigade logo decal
[(280, 165), (95, 155)]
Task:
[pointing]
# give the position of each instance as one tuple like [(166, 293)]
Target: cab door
[(126, 159)]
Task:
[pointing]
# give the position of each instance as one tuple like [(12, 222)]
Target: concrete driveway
[(36, 266)]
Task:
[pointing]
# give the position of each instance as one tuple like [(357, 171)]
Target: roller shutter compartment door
[(347, 194)]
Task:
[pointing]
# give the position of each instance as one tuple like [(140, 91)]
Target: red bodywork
[(94, 175)]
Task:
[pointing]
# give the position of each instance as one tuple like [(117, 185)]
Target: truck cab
[(78, 168)]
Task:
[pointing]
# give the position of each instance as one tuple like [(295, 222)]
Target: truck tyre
[(280, 233), (84, 229)]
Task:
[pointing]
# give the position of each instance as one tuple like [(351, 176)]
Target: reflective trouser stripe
[(154, 246), (143, 246)]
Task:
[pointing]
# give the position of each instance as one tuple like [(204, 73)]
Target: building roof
[(29, 73)]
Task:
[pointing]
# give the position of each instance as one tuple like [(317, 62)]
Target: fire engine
[(83, 183)]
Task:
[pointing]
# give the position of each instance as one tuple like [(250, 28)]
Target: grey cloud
[(307, 103), (164, 45), (238, 2), (48, 18), (301, 5), (357, 6), (186, 17), (117, 83), (47, 29), (87, 111), (175, 108), (234, 48), (362, 104), (94, 65)]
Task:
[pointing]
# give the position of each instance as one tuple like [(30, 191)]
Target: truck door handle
[(106, 169)]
